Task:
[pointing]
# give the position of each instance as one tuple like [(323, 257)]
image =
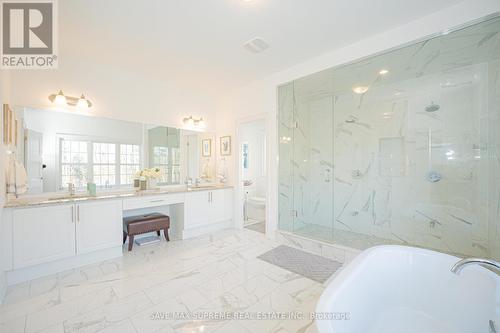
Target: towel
[(16, 178)]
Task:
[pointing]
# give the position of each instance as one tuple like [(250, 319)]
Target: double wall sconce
[(194, 122), (63, 100)]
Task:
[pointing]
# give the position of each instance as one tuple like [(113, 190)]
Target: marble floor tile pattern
[(216, 272)]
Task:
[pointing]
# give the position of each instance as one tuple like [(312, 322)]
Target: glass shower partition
[(398, 148)]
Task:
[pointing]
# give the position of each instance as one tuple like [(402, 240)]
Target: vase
[(152, 183)]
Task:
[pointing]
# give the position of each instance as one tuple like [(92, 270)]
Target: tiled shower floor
[(360, 241), (342, 237)]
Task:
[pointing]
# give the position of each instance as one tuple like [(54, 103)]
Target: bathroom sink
[(389, 289), (203, 187), (68, 197)]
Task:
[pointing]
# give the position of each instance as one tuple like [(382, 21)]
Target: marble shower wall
[(388, 149)]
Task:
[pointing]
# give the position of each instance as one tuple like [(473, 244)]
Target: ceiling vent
[(256, 45)]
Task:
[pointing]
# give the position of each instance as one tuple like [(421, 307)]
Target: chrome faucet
[(71, 189), (457, 268)]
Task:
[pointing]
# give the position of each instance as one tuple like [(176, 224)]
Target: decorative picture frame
[(225, 145), (206, 147)]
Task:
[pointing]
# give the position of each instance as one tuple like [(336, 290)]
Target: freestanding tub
[(398, 289)]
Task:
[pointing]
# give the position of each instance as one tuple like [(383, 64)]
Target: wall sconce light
[(63, 100), (194, 122)]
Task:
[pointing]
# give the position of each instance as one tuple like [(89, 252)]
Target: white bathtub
[(397, 289)]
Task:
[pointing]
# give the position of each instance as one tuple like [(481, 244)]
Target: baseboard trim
[(33, 272), (205, 229)]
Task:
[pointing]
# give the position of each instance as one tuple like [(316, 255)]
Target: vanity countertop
[(62, 198)]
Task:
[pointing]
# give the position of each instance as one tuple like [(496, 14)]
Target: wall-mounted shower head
[(433, 107), (351, 120)]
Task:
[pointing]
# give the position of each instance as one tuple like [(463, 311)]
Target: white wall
[(115, 93), (4, 92), (260, 96)]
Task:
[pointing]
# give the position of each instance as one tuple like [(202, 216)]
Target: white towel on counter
[(16, 177)]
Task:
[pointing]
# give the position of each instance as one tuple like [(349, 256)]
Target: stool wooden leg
[(130, 242), (158, 232), (124, 237), (165, 231)]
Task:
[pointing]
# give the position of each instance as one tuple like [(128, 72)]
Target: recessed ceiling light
[(383, 71), (360, 89)]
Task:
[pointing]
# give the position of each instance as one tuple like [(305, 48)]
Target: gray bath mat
[(309, 265)]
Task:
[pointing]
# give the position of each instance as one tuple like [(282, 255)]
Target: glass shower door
[(285, 178), (312, 162)]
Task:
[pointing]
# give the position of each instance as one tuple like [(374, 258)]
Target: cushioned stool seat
[(141, 224)]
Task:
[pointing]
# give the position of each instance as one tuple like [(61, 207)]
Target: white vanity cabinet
[(222, 205), (197, 209), (44, 238), (98, 226), (42, 234), (205, 208)]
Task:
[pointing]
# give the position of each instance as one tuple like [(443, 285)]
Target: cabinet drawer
[(153, 201)]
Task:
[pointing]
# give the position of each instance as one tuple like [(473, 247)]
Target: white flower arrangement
[(149, 173)]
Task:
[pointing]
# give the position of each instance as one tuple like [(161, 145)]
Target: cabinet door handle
[(78, 213), (160, 200), (72, 214), (211, 197)]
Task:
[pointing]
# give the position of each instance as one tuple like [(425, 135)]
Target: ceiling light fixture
[(360, 90), (63, 100), (383, 71)]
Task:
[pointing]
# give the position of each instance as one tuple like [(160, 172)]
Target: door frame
[(239, 190)]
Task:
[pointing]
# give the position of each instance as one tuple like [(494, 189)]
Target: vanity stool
[(141, 224)]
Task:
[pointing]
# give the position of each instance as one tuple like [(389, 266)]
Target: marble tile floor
[(217, 272)]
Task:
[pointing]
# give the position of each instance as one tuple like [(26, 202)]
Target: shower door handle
[(328, 175)]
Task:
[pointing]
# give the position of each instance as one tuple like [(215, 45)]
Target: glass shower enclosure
[(398, 148)]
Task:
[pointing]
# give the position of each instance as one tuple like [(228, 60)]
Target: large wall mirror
[(59, 148)]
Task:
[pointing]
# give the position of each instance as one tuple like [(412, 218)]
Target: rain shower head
[(432, 107)]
